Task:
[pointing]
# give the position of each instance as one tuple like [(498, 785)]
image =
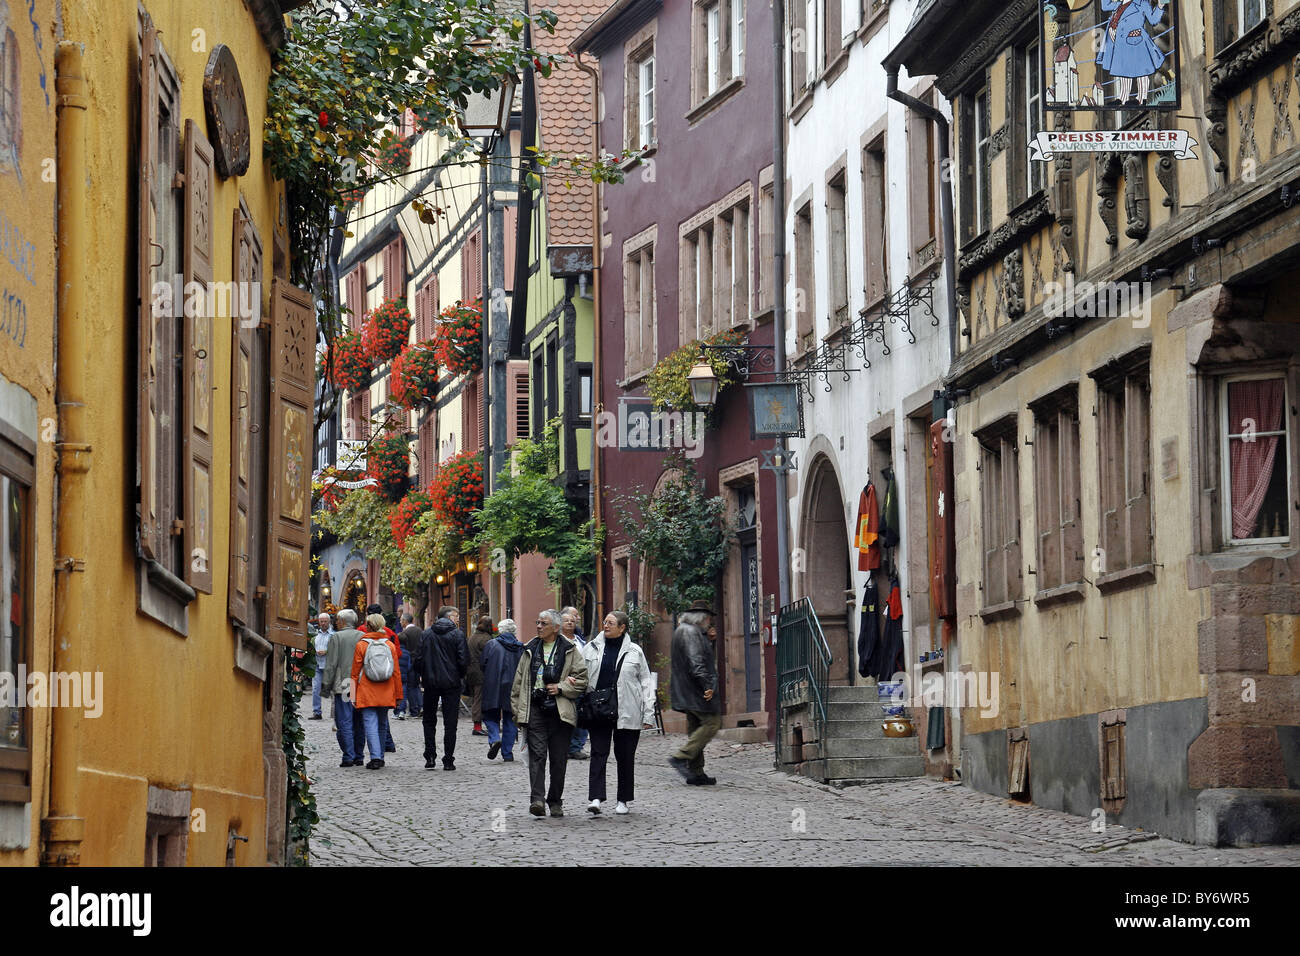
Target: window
[(639, 303), (923, 193), (538, 388), (167, 827), (584, 403), (832, 26), (712, 48), (737, 38), (1255, 459), (1239, 17), (1056, 489), (983, 146), (1123, 424), (714, 268), (803, 46), (1035, 172), (639, 123), (552, 378), (471, 268), (805, 293), (1000, 513), (766, 246), (718, 46), (17, 555), (838, 238), (875, 239)]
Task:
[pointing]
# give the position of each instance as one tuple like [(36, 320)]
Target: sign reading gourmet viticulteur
[(1106, 55)]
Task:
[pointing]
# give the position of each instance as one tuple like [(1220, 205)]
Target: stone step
[(860, 693), (856, 727), (742, 735), (857, 747), (843, 710), (865, 768)]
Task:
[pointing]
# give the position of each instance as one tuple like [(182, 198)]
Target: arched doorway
[(826, 577), (353, 594)]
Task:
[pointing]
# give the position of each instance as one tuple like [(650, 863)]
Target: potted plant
[(458, 340), (388, 461), (413, 377), (457, 491), (386, 330), (346, 359)]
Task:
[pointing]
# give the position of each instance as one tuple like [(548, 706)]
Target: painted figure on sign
[(11, 124), (1128, 52)]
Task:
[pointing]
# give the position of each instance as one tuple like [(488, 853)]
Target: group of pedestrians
[(531, 690)]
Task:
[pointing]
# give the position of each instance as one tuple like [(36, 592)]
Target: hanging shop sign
[(1047, 144), (1109, 55), (775, 410), (350, 454)]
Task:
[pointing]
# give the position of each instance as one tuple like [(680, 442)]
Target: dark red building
[(686, 254)]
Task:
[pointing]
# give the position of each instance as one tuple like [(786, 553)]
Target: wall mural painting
[(1105, 55)]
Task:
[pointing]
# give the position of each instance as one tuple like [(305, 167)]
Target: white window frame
[(646, 99), (1035, 172), (812, 42), (983, 137), (1242, 26), (712, 48), (1225, 456), (737, 38)]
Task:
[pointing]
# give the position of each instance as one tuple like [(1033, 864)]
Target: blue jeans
[(375, 719), (415, 693), (501, 727), (387, 732), (343, 715), (315, 685), (578, 740)]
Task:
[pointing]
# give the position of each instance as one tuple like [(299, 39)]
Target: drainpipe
[(778, 287), (597, 454), (63, 829), (945, 197)]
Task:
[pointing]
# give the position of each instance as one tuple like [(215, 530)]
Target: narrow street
[(478, 816)]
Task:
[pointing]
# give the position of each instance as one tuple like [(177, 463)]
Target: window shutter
[(293, 327), (247, 258), (151, 534), (364, 426), (1046, 496), (509, 238), (1137, 448), (943, 577), (519, 426), (1011, 517), (197, 405)]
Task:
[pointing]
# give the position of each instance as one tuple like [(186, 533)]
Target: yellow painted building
[(182, 437)]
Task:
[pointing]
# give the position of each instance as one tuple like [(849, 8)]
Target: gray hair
[(376, 623), (552, 615), (571, 610), (348, 617), (507, 627), (408, 617), (698, 619)]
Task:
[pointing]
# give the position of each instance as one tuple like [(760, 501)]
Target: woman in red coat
[(375, 698)]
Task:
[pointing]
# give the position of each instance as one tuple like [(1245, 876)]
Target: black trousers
[(448, 701), (549, 736), (625, 742)]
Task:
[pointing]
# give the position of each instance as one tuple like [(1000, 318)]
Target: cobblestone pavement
[(478, 815)]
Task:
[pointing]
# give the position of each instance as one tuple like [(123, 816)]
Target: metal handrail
[(803, 661)]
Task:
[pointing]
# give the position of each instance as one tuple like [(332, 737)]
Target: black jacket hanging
[(868, 627), (889, 658)]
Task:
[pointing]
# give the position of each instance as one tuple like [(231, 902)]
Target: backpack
[(378, 662)]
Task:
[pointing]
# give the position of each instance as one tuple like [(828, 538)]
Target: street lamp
[(487, 114), (704, 384), (441, 578), (470, 566)]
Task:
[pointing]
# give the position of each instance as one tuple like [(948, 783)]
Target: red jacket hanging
[(866, 535)]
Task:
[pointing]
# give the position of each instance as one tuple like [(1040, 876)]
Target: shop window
[(1000, 510), (1255, 460), (1124, 453), (17, 556)]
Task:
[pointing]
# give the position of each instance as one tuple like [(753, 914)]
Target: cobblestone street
[(478, 816)]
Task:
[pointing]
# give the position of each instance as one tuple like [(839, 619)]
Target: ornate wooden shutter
[(197, 406), (247, 259), (293, 332), (152, 535)]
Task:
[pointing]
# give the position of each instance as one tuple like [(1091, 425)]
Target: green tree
[(682, 533)]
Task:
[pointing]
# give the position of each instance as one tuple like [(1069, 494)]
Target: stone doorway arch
[(826, 577)]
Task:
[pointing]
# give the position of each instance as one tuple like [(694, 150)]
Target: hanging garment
[(934, 736), (889, 526), (868, 628), (866, 536), (889, 652)]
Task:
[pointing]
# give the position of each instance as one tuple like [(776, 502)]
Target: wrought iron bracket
[(745, 358)]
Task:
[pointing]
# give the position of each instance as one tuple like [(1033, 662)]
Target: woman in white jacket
[(613, 657)]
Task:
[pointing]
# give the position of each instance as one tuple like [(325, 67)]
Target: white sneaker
[(622, 808), (593, 807)]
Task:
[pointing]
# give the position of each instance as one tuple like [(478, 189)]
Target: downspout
[(594, 503), (945, 197), (63, 829), (778, 288)]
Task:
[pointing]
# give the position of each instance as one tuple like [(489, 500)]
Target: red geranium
[(457, 491), (404, 515), (385, 330), (388, 461), (414, 375), (458, 339), (347, 359)]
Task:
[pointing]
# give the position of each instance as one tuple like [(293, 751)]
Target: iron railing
[(803, 663)]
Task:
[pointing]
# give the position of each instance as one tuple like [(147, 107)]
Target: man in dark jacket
[(500, 662), (694, 690), (444, 659)]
